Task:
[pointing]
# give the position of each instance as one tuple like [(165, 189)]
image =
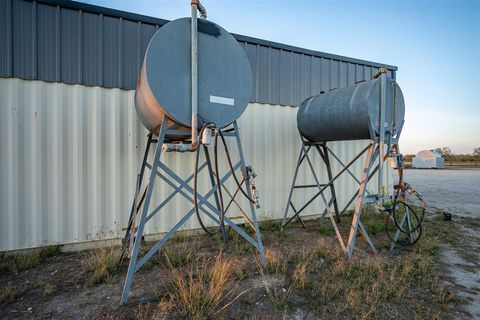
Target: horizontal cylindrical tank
[(352, 113), (164, 85)]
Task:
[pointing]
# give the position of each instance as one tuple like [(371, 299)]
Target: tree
[(476, 155), (446, 153)]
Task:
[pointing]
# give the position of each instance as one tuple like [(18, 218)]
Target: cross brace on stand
[(360, 196), (159, 170)]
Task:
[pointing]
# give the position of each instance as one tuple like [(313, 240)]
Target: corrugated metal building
[(70, 140)]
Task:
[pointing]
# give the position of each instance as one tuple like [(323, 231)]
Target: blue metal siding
[(70, 42), (111, 33), (6, 63), (24, 42), (48, 43), (92, 45), (130, 58)]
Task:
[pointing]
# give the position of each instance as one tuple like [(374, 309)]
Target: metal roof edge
[(148, 19), (319, 54), (104, 10)]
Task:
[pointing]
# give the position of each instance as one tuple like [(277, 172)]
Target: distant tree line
[(450, 156)]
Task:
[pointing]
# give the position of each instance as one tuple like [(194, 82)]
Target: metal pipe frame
[(373, 151), (158, 170), (381, 142), (194, 72)]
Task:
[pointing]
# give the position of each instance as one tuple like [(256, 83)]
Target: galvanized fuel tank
[(164, 87), (352, 113)]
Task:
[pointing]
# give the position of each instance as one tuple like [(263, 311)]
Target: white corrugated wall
[(69, 155)]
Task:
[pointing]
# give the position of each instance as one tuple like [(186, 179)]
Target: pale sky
[(435, 44)]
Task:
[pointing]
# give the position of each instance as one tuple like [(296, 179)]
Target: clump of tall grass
[(8, 294), (178, 255), (275, 261), (101, 264), (205, 290)]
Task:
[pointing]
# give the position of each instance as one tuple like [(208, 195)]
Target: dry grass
[(178, 255), (312, 279), (164, 306), (49, 289), (276, 261), (101, 264), (299, 277), (276, 290), (19, 261), (205, 290), (404, 284), (8, 294), (368, 283)]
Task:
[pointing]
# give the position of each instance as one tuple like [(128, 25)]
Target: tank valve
[(207, 136), (255, 194)]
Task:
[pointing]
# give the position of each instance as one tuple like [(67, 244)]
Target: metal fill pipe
[(381, 142), (194, 74)]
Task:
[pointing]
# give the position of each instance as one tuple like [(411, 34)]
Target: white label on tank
[(222, 100)]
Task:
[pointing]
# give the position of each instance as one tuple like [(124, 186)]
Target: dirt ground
[(307, 276), (405, 283)]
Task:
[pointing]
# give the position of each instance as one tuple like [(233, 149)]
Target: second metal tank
[(352, 113)]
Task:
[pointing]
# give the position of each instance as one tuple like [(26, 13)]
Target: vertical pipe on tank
[(381, 142), (194, 75)]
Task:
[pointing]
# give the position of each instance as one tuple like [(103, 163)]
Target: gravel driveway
[(454, 190)]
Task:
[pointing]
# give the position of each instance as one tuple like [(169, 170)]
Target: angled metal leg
[(249, 193), (330, 176), (128, 240), (359, 203), (397, 233), (287, 207), (138, 238), (321, 189)]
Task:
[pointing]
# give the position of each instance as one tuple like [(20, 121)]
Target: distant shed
[(428, 159)]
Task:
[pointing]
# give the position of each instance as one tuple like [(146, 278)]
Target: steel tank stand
[(159, 170), (305, 149), (360, 196)]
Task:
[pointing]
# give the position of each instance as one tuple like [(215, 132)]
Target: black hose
[(195, 183), (397, 201), (397, 224), (217, 176), (229, 160), (219, 186), (419, 228)]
